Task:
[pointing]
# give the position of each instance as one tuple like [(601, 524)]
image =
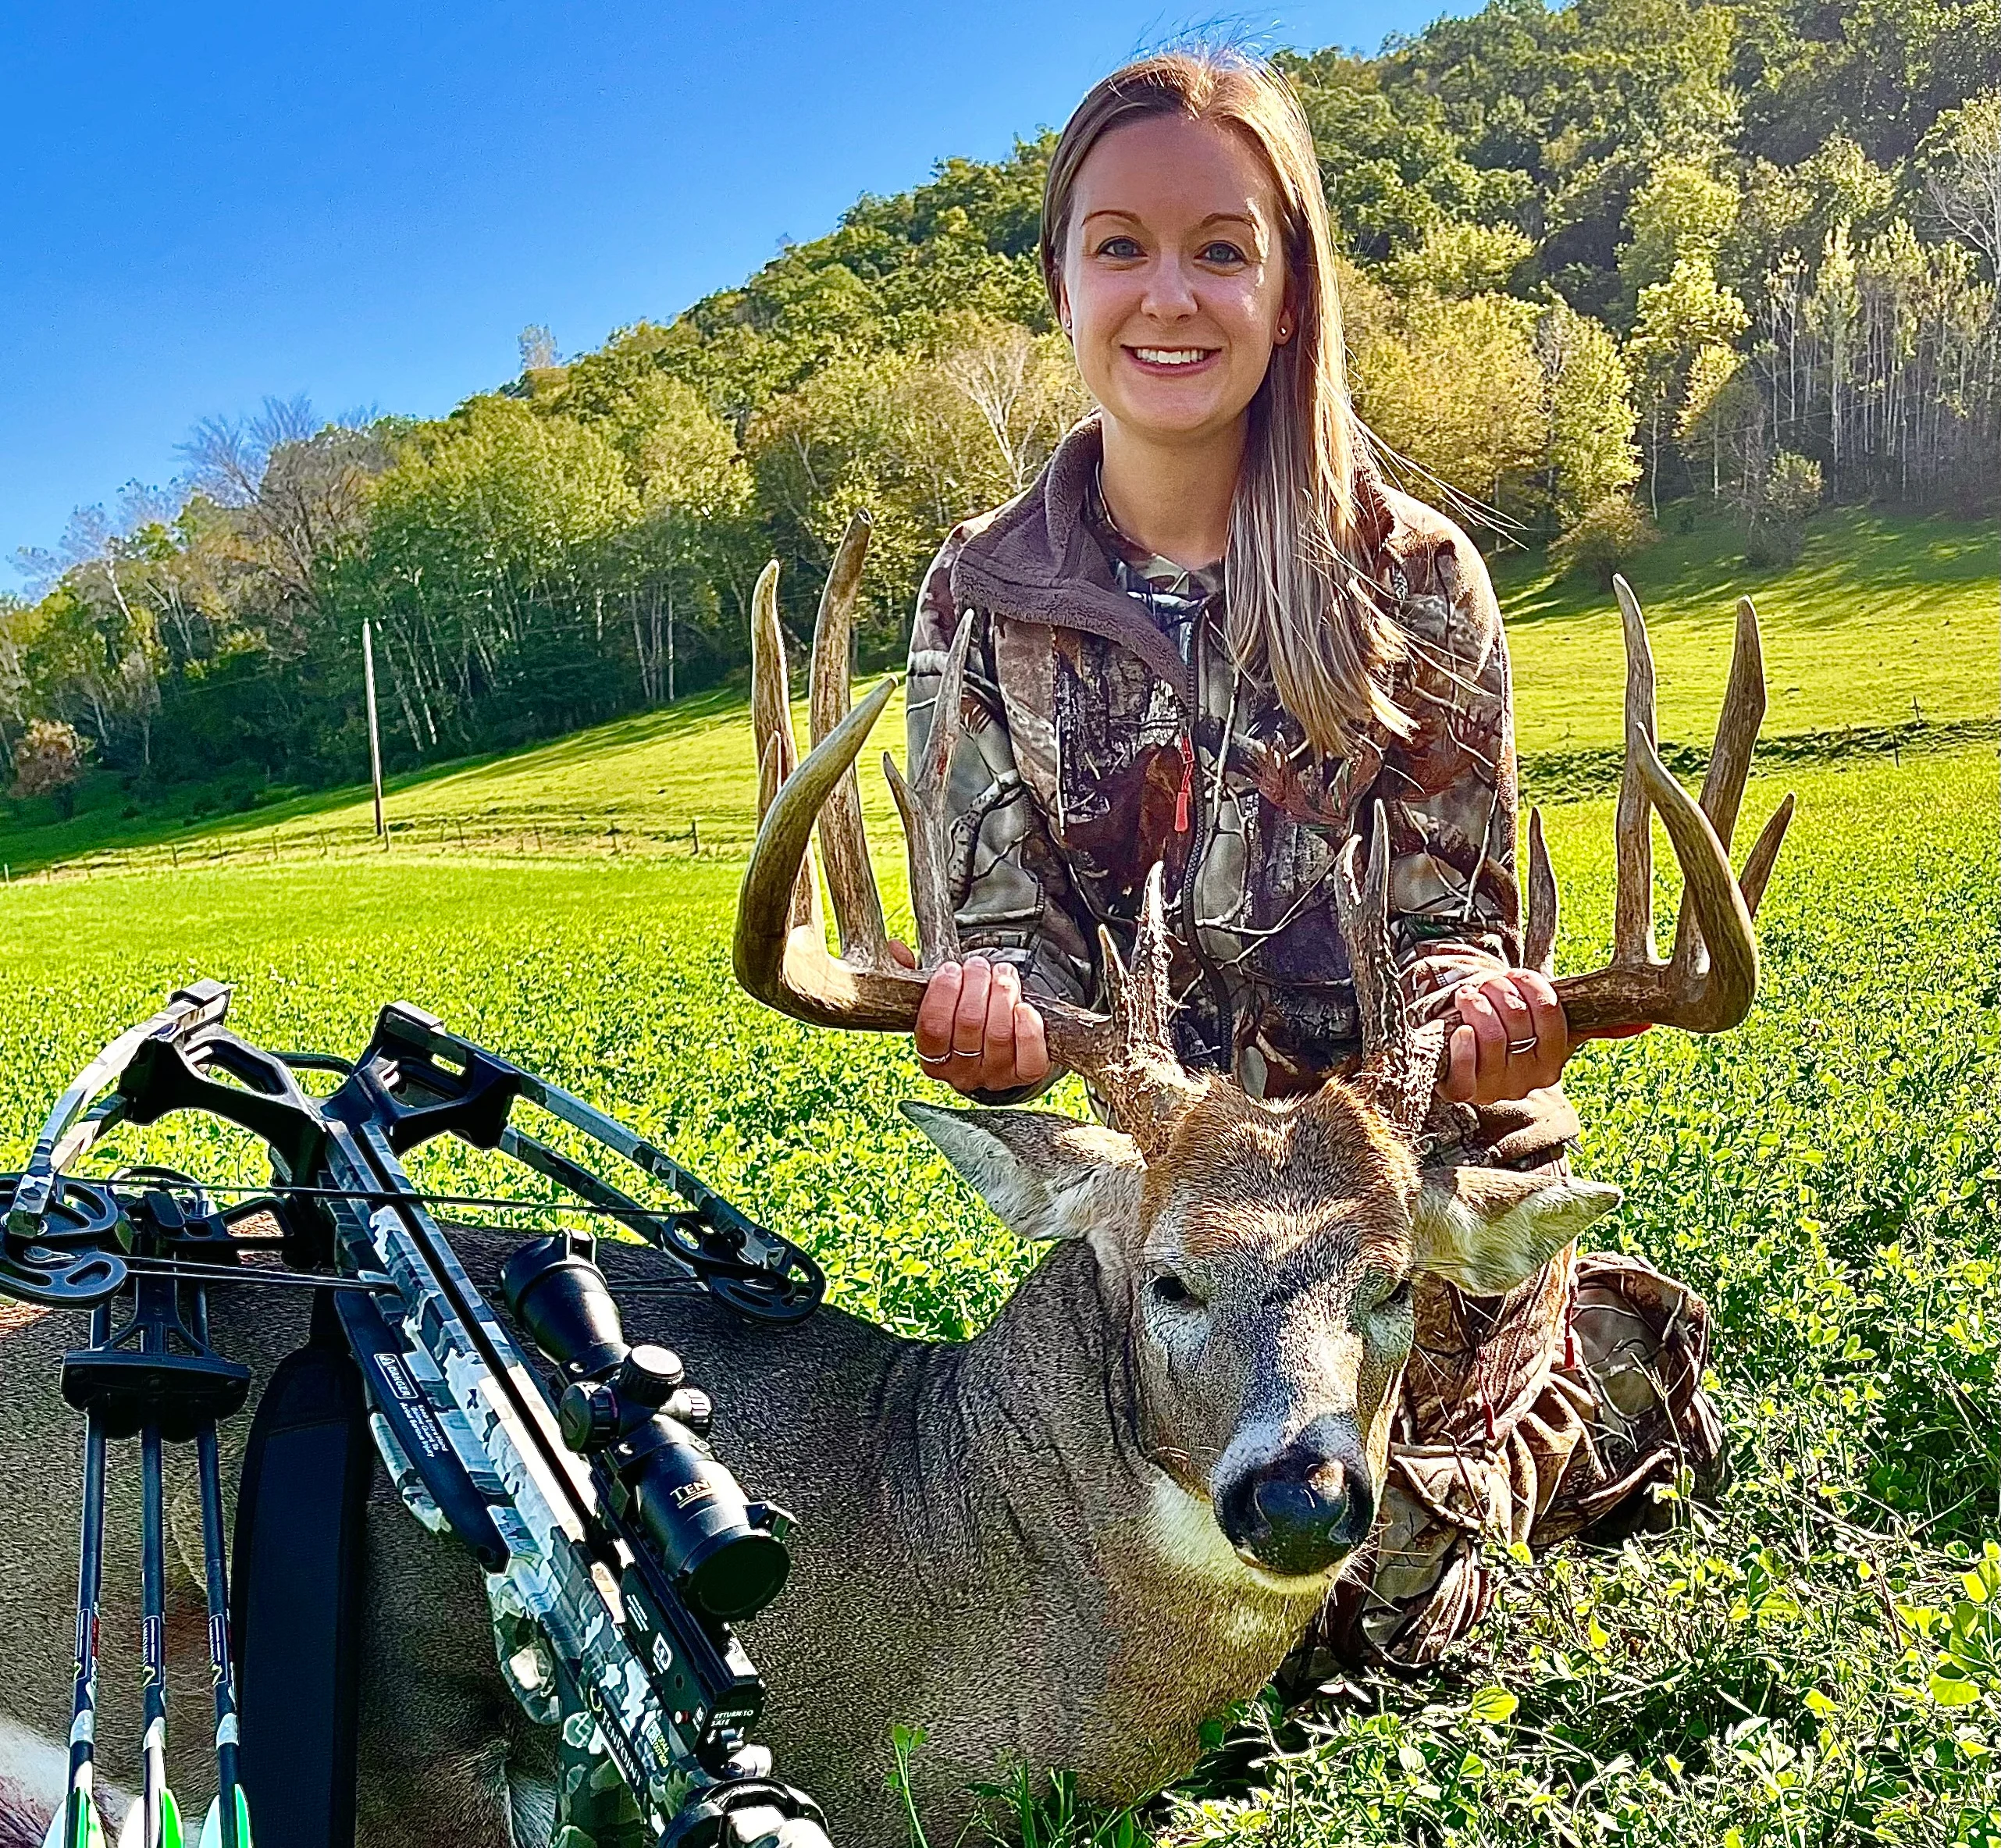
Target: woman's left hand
[(1511, 1038)]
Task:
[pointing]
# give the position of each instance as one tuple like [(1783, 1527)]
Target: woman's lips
[(1170, 362)]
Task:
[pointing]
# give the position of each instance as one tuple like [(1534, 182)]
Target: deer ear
[(1046, 1176), (1488, 1229)]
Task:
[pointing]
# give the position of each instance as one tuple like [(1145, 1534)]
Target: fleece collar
[(1037, 560)]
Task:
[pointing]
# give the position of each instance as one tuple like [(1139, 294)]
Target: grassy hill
[(1887, 620)]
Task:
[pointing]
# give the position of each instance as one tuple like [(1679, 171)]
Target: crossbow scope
[(629, 1407)]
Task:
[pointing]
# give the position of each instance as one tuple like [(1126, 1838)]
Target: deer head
[(1258, 1255)]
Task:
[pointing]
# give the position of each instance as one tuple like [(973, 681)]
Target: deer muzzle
[(1300, 1511)]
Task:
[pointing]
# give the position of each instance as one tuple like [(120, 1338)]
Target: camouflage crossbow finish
[(618, 1549)]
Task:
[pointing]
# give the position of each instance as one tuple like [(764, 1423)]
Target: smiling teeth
[(1170, 356)]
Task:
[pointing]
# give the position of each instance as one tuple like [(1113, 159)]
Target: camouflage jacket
[(1106, 728)]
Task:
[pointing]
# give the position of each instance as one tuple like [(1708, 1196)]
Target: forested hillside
[(1601, 260)]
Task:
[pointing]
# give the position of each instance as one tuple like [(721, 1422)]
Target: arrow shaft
[(215, 1576), (90, 1577), (153, 1631)]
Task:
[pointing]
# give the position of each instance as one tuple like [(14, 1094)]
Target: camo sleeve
[(1451, 788), (1011, 892)]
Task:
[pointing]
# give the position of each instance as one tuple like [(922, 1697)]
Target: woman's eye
[(1222, 254), (1123, 249), (1168, 1289)]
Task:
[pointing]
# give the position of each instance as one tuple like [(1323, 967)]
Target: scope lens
[(693, 1511), (561, 1299), (740, 1577)]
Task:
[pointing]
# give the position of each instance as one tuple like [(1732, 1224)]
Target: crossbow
[(618, 1549)]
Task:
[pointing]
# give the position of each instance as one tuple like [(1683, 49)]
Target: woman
[(1210, 636)]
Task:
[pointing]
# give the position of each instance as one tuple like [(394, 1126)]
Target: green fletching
[(211, 1825), (90, 1836), (170, 1835)]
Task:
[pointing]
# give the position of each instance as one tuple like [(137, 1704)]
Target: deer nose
[(1305, 1509)]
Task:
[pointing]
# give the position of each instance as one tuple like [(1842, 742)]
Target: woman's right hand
[(974, 1030)]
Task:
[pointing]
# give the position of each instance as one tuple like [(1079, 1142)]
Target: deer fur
[(1013, 1542)]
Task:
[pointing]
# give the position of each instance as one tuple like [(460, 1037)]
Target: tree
[(49, 760), (487, 568), (1590, 453), (1683, 210), (920, 440), (1458, 260), (1676, 319), (1789, 491), (1963, 177), (693, 485), (1025, 389), (297, 490), (1720, 412), (1454, 390), (1604, 540)]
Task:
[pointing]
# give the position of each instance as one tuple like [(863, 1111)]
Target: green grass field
[(1886, 618), (1881, 610), (1817, 1661)]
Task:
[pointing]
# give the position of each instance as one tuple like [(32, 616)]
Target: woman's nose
[(1170, 293)]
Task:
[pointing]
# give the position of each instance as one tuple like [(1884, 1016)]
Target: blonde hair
[(1299, 607)]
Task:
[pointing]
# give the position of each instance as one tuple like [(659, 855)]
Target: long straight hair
[(1301, 610)]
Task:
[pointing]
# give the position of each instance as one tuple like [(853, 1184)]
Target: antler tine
[(1736, 725), (921, 803), (783, 960), (1764, 850), (1130, 1057), (1539, 937), (1141, 997), (1363, 904), (771, 726), (1403, 1063), (1633, 907), (1729, 758), (843, 844)]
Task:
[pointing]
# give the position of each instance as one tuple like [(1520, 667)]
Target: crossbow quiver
[(301, 1542)]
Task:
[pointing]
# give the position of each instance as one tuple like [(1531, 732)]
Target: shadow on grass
[(1852, 555)]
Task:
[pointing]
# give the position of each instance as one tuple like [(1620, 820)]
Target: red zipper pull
[(1188, 785)]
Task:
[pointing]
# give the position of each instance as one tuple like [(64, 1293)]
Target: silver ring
[(1515, 1046)]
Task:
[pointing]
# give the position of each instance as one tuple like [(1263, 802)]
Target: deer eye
[(1169, 1291), (1395, 1301)]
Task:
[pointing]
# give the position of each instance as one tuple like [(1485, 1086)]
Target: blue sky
[(366, 203)]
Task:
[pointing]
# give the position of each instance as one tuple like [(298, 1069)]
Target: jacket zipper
[(1190, 800)]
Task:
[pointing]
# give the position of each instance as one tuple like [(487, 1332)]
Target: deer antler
[(1402, 1059), (781, 951), (1706, 985)]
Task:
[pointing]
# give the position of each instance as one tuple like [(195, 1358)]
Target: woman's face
[(1173, 280)]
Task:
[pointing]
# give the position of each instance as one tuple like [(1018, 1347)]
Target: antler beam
[(780, 952)]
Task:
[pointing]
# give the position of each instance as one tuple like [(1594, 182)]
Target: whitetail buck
[(1060, 1545)]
